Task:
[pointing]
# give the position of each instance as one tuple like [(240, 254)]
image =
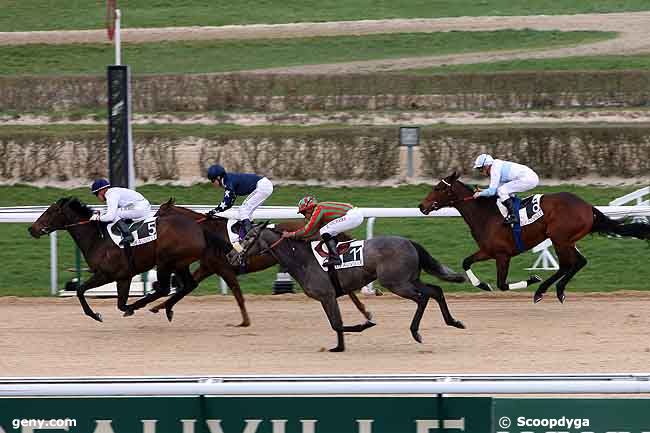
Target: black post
[(119, 133)]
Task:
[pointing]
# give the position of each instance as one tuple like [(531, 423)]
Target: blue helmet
[(215, 171), (99, 185)]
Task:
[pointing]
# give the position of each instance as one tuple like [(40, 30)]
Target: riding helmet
[(306, 203), (482, 160), (99, 185), (215, 171)]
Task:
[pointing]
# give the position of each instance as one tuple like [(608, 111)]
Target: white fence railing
[(328, 385), (29, 214)]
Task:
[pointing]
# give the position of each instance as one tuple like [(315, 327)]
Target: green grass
[(23, 15), (592, 63), (613, 264), (223, 56)]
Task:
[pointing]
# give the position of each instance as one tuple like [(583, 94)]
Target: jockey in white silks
[(506, 179), (121, 204)]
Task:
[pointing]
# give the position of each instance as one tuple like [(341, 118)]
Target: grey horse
[(396, 262)]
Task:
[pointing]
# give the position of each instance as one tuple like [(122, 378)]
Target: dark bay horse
[(396, 262), (180, 242), (567, 219), (216, 261)]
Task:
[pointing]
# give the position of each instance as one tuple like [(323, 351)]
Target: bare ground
[(289, 334)]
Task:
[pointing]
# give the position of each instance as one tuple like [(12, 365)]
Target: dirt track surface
[(506, 333), (634, 38)]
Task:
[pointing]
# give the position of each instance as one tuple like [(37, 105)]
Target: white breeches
[(255, 199), (137, 210), (521, 184), (349, 221)]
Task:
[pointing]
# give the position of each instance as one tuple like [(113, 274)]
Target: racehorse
[(396, 262), (567, 219), (179, 242), (216, 261)]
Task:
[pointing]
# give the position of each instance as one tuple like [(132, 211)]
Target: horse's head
[(445, 193), (253, 244), (67, 210)]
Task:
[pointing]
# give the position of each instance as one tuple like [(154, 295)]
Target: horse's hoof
[(416, 336), (128, 313), (484, 286), (537, 298), (98, 317), (561, 297), (337, 349), (534, 279), (458, 324), (170, 314), (370, 324)]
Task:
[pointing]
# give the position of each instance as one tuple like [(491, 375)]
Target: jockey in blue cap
[(506, 179), (258, 189), (121, 204)]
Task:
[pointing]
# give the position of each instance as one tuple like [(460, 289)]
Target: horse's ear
[(171, 201), (455, 175)]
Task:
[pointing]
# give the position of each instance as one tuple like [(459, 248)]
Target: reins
[(76, 224)]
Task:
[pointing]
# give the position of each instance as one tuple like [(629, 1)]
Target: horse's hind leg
[(163, 285), (436, 293), (564, 256), (231, 279), (418, 293), (579, 262), (187, 285)]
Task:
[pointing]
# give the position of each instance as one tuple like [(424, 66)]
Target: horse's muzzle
[(427, 210)]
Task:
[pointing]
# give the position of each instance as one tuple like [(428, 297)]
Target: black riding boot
[(245, 226), (333, 258), (511, 218), (123, 227)]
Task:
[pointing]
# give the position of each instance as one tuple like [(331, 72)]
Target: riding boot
[(244, 227), (123, 227), (511, 218), (333, 259)]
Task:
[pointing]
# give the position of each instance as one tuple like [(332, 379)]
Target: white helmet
[(482, 160)]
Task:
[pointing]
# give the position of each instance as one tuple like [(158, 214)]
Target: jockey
[(121, 204), (258, 189), (328, 218), (506, 179)]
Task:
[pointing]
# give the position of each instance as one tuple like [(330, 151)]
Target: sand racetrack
[(289, 333)]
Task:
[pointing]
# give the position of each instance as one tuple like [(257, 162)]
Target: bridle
[(46, 230), (452, 197)]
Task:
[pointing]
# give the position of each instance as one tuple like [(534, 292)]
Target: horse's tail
[(607, 226), (433, 267)]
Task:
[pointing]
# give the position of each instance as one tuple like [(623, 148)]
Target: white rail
[(329, 385)]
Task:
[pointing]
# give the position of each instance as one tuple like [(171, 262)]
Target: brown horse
[(216, 262), (567, 219), (179, 243)]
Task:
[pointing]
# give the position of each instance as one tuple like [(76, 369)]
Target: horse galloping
[(179, 243), (567, 219), (215, 261), (396, 262)]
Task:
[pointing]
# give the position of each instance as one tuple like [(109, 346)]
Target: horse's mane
[(77, 206), (172, 202)]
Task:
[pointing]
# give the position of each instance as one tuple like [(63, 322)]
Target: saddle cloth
[(530, 209), (351, 253), (144, 230)]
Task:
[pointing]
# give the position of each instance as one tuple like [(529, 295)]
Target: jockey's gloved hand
[(94, 217), (211, 214)]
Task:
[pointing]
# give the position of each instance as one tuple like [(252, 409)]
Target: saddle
[(341, 248), (134, 226)]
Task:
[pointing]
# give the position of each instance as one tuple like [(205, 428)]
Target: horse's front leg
[(478, 256), (333, 313), (503, 264), (362, 308), (96, 280)]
